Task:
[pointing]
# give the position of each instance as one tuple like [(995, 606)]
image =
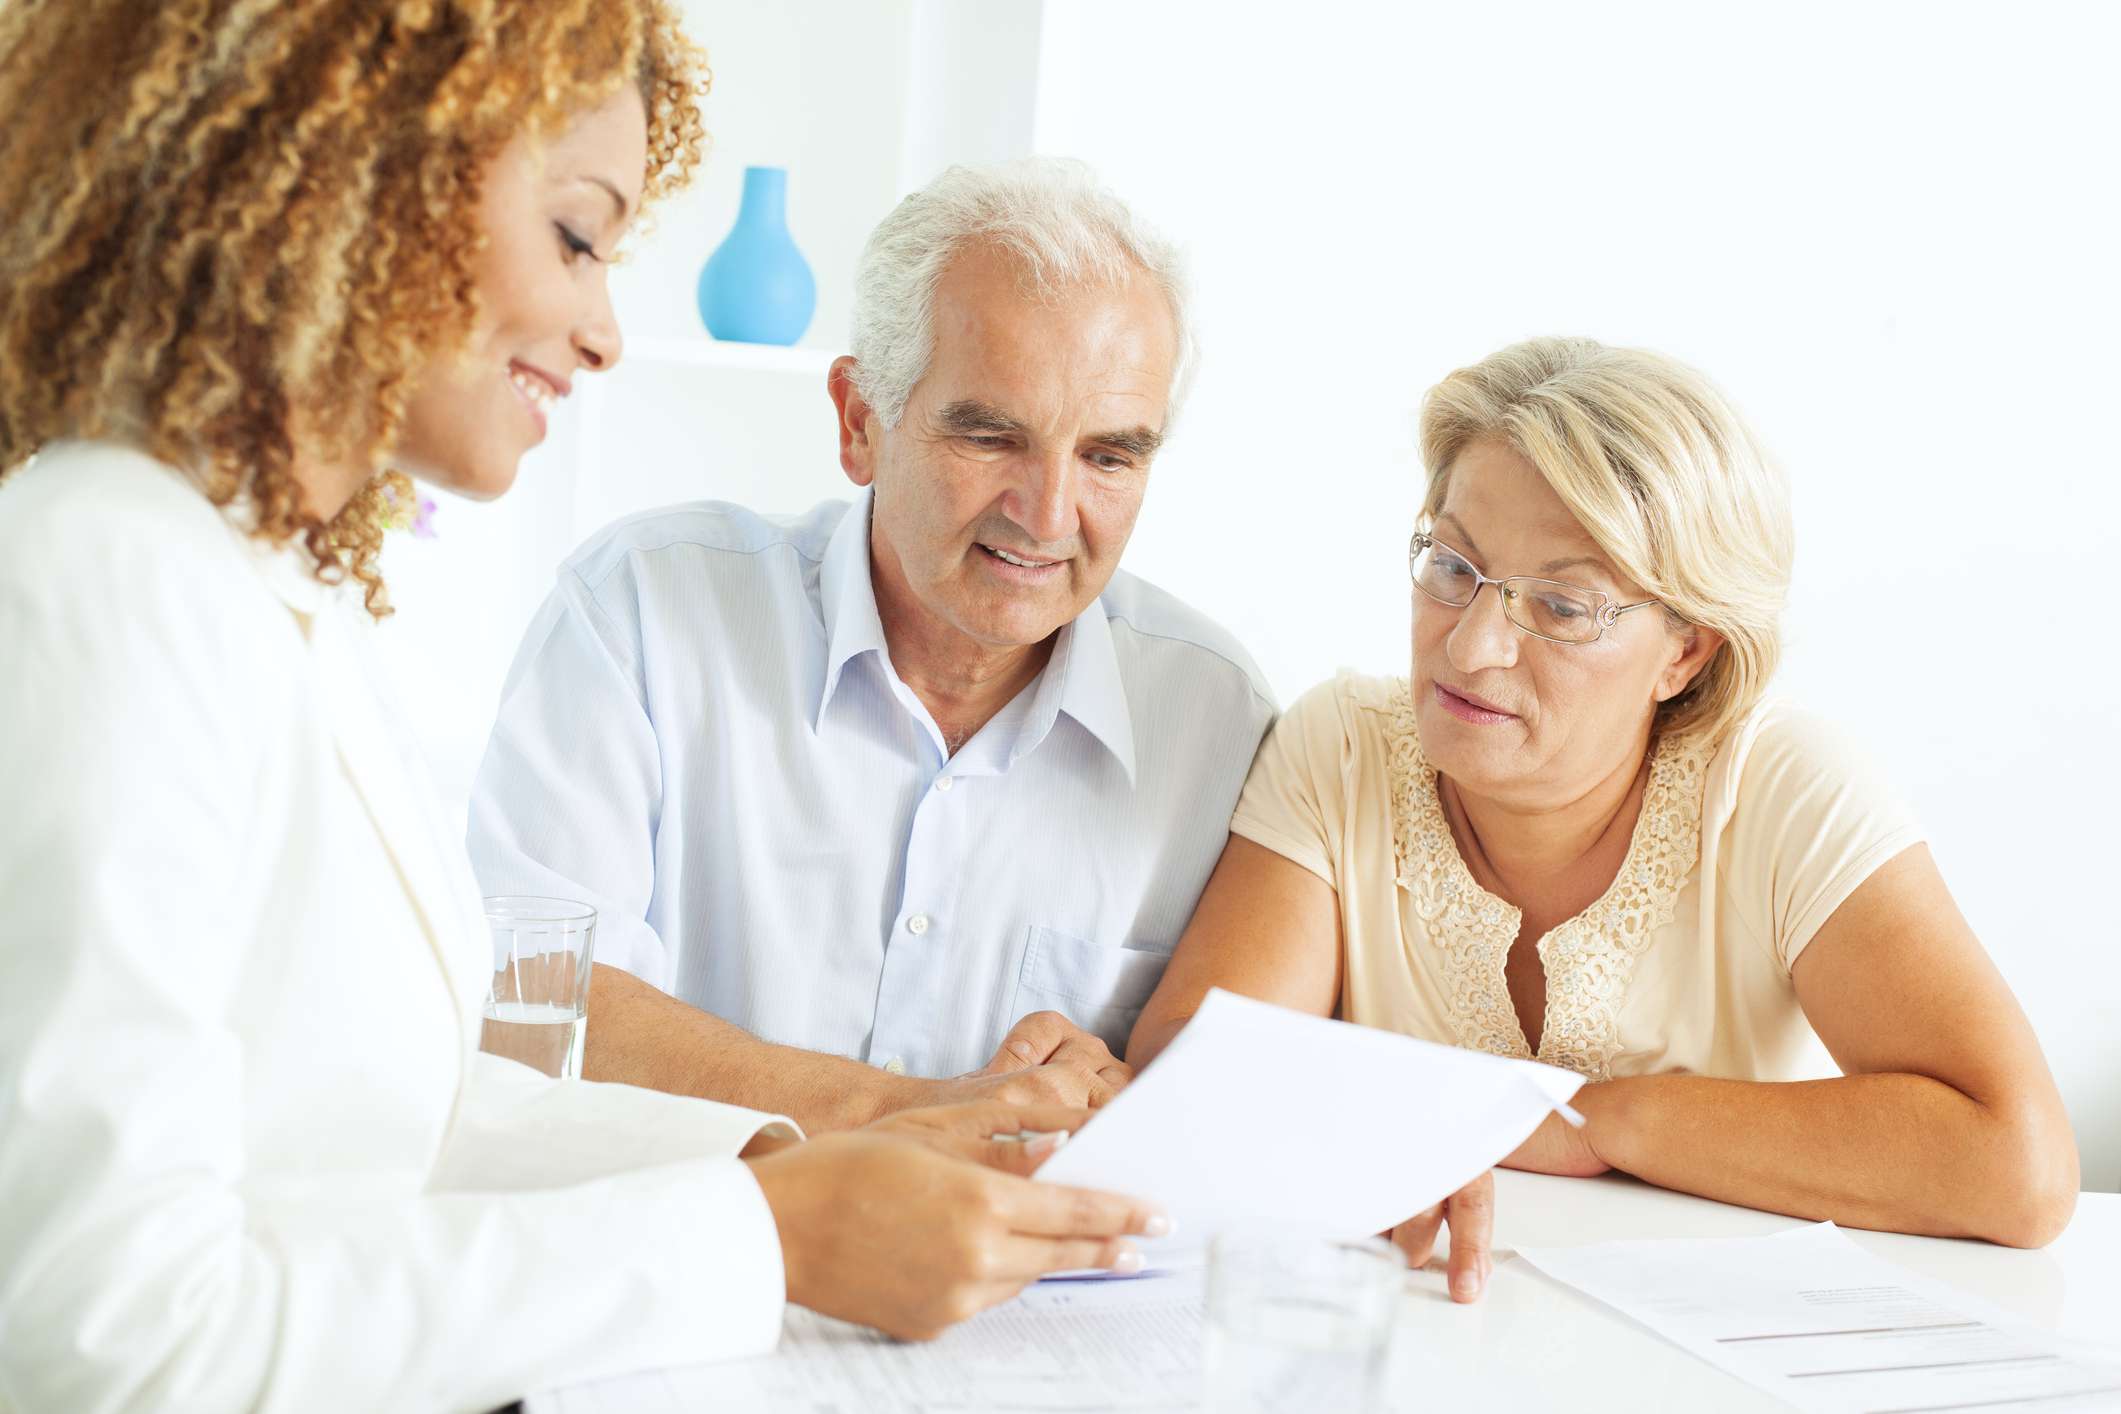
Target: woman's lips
[(530, 405), (1467, 710), (536, 390)]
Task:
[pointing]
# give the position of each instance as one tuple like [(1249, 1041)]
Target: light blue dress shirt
[(703, 736)]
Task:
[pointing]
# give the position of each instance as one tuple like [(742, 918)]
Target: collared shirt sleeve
[(569, 793)]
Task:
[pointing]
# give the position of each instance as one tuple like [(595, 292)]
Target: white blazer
[(249, 1154)]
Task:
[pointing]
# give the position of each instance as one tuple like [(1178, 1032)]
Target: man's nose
[(1483, 637), (1043, 499)]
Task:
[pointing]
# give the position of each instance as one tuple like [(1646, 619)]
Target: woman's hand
[(893, 1227), (1471, 1215), (1558, 1147), (986, 1132)]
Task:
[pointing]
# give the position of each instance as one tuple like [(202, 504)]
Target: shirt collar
[(288, 570), (1091, 691), (1081, 679), (847, 599)]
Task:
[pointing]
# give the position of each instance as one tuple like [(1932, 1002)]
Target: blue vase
[(757, 287)]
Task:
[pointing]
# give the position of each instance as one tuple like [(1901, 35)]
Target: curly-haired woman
[(259, 258), (1577, 831)]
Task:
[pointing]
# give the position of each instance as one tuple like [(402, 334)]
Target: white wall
[(1888, 230)]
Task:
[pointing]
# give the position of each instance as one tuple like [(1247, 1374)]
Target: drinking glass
[(537, 1007), (1298, 1322)]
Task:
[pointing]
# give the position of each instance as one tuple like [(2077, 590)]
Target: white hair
[(1049, 213)]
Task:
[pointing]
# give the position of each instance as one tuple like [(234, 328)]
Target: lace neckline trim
[(1589, 959)]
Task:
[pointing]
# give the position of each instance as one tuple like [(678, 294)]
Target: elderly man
[(906, 799)]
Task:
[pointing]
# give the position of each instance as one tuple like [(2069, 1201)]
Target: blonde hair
[(215, 213), (1658, 467)]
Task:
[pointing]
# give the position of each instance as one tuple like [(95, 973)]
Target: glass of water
[(1300, 1323), (537, 1006)]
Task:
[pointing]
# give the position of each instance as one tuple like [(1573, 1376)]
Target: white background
[(1888, 230)]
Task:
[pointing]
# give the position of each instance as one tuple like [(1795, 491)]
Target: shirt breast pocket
[(1099, 987)]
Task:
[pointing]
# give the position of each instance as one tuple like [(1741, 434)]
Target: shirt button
[(895, 1065), (945, 782), (917, 924)]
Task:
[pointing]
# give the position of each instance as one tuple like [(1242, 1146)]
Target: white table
[(1535, 1344)]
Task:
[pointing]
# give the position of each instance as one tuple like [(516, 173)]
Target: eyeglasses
[(1544, 608)]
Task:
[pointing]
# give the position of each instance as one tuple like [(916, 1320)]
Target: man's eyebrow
[(971, 416), (618, 201), (1139, 442)]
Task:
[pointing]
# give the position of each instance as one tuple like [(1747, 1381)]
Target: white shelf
[(708, 352)]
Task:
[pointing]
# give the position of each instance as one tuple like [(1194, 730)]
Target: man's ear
[(858, 423), (1694, 651)]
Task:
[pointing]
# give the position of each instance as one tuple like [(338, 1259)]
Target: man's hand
[(1046, 1059), (1048, 1038), (879, 1227), (1471, 1215)]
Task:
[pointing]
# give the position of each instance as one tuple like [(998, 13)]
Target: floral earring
[(405, 509)]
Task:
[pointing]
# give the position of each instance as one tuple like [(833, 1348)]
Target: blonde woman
[(1577, 832), (255, 252)]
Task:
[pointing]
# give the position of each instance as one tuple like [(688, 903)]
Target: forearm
[(1898, 1152), (1265, 928), (641, 1036), (1154, 1031)]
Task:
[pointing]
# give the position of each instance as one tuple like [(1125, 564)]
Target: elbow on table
[(2039, 1186)]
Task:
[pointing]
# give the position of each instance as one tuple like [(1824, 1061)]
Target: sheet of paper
[(1132, 1346), (1260, 1115), (1816, 1321)]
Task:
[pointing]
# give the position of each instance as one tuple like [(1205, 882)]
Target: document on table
[(1818, 1322), (1125, 1346), (1254, 1114), (1261, 1115)]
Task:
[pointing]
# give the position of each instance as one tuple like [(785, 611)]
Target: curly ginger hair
[(236, 230)]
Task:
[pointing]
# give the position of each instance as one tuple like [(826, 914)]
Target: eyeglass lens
[(1542, 606)]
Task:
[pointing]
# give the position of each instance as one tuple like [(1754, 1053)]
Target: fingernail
[(1466, 1284), (1128, 1262), (1020, 1049), (1159, 1226), (1047, 1143)]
